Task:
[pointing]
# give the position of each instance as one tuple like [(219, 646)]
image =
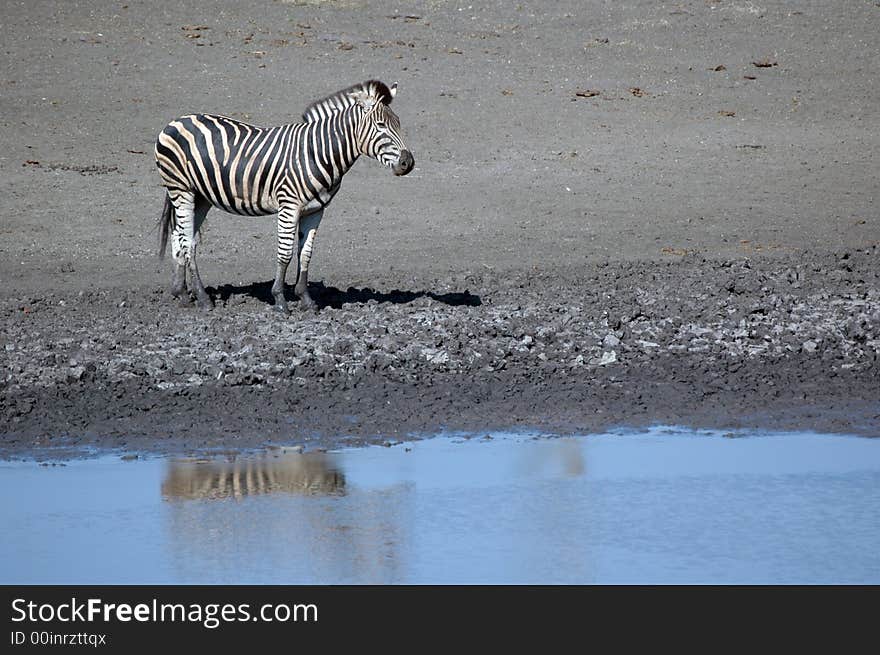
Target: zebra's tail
[(166, 224)]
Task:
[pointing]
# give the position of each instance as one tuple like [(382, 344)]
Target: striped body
[(293, 170), (245, 169)]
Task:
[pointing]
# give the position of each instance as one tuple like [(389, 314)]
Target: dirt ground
[(622, 213)]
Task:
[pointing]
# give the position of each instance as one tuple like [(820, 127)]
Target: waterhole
[(662, 506)]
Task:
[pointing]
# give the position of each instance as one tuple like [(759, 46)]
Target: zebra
[(293, 170)]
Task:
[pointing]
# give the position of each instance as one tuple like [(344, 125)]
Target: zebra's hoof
[(185, 300), (205, 305), (307, 304), (281, 308)]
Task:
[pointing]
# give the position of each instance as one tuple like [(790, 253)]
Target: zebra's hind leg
[(308, 230), (203, 300), (190, 212), (288, 231), (178, 283), (183, 202)]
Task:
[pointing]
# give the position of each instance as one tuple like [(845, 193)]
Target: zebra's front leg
[(307, 232), (288, 231)]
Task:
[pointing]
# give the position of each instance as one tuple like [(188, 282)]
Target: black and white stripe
[(293, 170)]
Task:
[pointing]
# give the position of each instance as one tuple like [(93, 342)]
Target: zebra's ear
[(393, 90)]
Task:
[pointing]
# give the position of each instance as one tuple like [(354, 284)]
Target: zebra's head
[(379, 130)]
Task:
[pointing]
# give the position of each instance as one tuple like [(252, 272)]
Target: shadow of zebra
[(328, 296)]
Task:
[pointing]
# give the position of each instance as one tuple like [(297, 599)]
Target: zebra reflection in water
[(281, 518), (282, 471)]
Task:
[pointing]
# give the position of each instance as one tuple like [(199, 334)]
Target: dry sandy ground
[(591, 177)]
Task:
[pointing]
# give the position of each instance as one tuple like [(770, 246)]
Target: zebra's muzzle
[(404, 164)]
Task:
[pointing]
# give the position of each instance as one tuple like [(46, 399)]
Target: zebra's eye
[(381, 125)]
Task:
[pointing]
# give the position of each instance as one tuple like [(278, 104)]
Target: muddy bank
[(786, 343)]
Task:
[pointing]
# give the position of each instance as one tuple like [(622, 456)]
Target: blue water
[(664, 506)]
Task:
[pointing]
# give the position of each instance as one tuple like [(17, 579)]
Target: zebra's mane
[(345, 98)]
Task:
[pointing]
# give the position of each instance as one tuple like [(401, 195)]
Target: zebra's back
[(234, 165)]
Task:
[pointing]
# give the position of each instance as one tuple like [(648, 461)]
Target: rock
[(435, 355), (610, 341), (76, 373)]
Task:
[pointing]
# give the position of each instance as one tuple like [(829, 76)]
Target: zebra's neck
[(328, 149)]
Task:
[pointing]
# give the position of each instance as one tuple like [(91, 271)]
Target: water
[(664, 506)]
